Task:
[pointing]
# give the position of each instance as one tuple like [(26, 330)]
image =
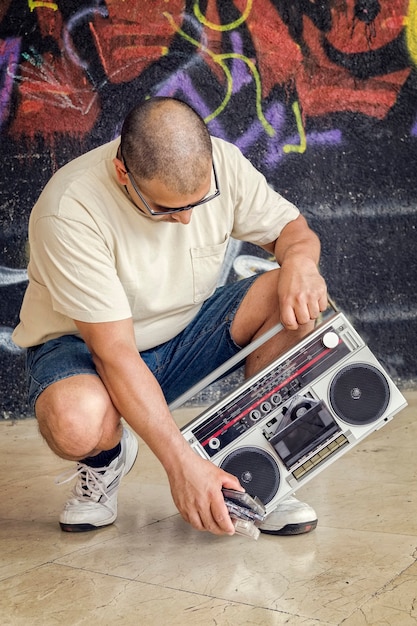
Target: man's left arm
[(302, 292)]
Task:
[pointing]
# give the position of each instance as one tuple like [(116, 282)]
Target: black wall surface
[(321, 96)]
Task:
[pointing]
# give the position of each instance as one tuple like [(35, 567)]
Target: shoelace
[(90, 484)]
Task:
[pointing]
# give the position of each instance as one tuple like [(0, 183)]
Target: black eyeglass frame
[(170, 211)]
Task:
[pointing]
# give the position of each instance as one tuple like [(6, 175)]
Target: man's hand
[(302, 292), (196, 487)]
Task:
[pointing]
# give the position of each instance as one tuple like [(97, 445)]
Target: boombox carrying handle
[(227, 365)]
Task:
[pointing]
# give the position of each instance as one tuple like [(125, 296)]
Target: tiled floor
[(357, 568)]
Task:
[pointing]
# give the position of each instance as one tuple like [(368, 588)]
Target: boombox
[(306, 409)]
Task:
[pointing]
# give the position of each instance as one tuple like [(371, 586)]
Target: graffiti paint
[(9, 59), (321, 96), (9, 276)]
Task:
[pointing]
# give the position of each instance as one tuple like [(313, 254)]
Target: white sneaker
[(94, 496), (291, 517)]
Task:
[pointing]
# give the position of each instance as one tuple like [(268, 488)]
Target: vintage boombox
[(287, 423)]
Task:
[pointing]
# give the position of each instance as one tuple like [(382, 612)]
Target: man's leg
[(79, 422), (257, 313), (77, 418)]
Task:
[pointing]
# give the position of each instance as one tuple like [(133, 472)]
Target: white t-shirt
[(95, 258)]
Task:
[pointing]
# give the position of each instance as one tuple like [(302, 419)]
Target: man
[(121, 314)]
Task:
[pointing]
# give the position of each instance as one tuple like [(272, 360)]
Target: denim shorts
[(177, 364)]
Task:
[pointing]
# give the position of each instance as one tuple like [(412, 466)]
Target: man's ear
[(121, 173)]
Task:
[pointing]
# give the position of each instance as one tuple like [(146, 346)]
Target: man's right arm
[(195, 483)]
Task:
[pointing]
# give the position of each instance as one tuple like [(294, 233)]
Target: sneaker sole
[(292, 529), (82, 528)]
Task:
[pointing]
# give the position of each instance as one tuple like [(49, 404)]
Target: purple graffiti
[(275, 115), (9, 60), (240, 71), (275, 152)]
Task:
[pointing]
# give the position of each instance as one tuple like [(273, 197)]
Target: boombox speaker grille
[(256, 470), (359, 394)]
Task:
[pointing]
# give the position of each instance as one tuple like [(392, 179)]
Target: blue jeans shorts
[(177, 364)]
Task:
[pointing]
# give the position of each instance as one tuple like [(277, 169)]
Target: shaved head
[(165, 138)]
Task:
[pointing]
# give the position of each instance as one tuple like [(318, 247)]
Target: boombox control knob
[(330, 340)]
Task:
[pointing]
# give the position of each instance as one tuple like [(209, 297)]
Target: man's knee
[(258, 307), (75, 416)]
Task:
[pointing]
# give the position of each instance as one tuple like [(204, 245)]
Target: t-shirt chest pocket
[(206, 264)]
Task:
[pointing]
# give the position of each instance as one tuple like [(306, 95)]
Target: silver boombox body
[(293, 419)]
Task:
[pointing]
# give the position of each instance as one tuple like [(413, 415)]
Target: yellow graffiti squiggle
[(302, 147), (258, 87), (34, 4), (411, 30), (222, 27), (219, 60)]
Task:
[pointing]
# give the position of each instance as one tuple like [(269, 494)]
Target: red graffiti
[(54, 93), (322, 87), (133, 36)]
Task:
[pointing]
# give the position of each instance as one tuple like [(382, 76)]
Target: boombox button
[(330, 340), (214, 443)]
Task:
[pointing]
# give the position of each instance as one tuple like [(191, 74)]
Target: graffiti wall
[(321, 96)]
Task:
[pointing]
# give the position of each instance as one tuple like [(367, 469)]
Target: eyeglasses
[(167, 211)]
